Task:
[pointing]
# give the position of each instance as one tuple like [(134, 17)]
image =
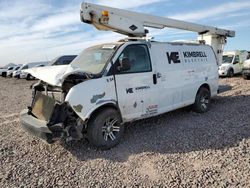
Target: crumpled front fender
[(87, 96)]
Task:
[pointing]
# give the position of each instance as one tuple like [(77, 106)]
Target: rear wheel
[(105, 130), (202, 100), (230, 73)]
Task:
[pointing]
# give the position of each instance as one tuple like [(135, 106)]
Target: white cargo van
[(232, 63), (111, 84)]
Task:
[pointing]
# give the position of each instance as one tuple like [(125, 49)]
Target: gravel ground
[(177, 149)]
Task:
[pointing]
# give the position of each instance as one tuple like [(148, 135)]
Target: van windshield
[(93, 59), (227, 58)]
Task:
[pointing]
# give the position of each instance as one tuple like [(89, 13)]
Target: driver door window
[(136, 90), (236, 59), (138, 58)]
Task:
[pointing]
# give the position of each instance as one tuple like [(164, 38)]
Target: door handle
[(154, 78)]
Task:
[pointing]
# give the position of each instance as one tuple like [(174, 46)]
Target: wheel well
[(105, 106), (204, 86)]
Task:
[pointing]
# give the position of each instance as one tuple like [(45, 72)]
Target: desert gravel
[(177, 149)]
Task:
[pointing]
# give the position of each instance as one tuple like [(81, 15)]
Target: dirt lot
[(177, 149)]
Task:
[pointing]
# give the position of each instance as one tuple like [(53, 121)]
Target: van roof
[(190, 43)]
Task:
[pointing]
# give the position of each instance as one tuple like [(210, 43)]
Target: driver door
[(136, 91)]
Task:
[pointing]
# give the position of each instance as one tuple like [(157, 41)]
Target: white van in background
[(232, 63)]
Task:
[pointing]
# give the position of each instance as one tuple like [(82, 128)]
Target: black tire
[(28, 77), (202, 100), (246, 77), (230, 73), (105, 130)]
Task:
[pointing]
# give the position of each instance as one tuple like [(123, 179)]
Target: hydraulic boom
[(133, 24)]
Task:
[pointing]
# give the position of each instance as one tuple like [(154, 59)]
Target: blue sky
[(37, 30)]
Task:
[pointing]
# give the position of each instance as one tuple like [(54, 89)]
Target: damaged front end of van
[(50, 116), (65, 96)]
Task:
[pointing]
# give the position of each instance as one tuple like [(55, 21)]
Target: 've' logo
[(173, 57), (129, 90)]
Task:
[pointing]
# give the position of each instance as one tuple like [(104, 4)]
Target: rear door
[(137, 94)]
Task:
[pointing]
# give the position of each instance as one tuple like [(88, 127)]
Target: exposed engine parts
[(62, 120)]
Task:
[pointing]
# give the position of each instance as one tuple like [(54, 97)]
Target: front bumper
[(222, 72), (16, 76), (4, 74), (49, 119), (35, 126)]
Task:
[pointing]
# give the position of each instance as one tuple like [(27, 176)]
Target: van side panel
[(200, 68), (181, 70)]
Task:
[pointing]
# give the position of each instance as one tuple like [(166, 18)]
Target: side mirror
[(124, 65)]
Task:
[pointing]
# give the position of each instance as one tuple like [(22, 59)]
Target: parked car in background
[(62, 60), (10, 72), (3, 72), (232, 63), (16, 73), (25, 75)]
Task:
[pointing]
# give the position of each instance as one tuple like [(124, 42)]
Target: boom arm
[(133, 23)]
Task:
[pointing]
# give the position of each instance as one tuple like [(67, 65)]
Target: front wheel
[(30, 77), (105, 130), (202, 100), (230, 73)]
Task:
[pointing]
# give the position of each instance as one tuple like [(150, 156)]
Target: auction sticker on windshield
[(108, 46)]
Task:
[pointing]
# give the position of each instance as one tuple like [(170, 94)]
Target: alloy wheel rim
[(110, 129), (204, 101)]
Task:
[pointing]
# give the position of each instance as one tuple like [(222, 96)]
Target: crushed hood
[(53, 75)]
